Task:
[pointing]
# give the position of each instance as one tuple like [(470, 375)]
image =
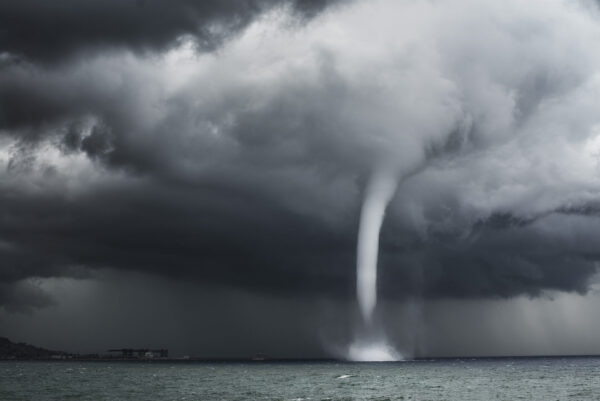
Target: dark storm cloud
[(503, 261), (234, 237), (218, 234), (246, 166), (23, 297), (49, 31)]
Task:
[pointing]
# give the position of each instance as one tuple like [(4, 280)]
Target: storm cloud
[(244, 163), (51, 32)]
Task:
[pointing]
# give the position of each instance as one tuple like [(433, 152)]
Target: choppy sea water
[(479, 379)]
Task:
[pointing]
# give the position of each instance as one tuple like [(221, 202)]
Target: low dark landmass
[(24, 352), (11, 350)]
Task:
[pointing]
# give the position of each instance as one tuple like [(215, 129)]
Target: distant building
[(145, 353)]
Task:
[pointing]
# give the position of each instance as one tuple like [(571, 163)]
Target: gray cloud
[(24, 297), (245, 166), (52, 32)]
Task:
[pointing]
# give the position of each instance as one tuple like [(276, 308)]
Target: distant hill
[(10, 350)]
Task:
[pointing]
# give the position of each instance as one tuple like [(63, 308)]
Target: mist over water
[(372, 350)]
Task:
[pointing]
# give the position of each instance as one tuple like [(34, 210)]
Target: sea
[(572, 378)]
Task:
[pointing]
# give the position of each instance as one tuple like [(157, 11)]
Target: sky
[(190, 174)]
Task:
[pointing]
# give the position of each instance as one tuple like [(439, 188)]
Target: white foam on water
[(373, 352)]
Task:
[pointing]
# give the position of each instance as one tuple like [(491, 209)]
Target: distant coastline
[(12, 351)]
